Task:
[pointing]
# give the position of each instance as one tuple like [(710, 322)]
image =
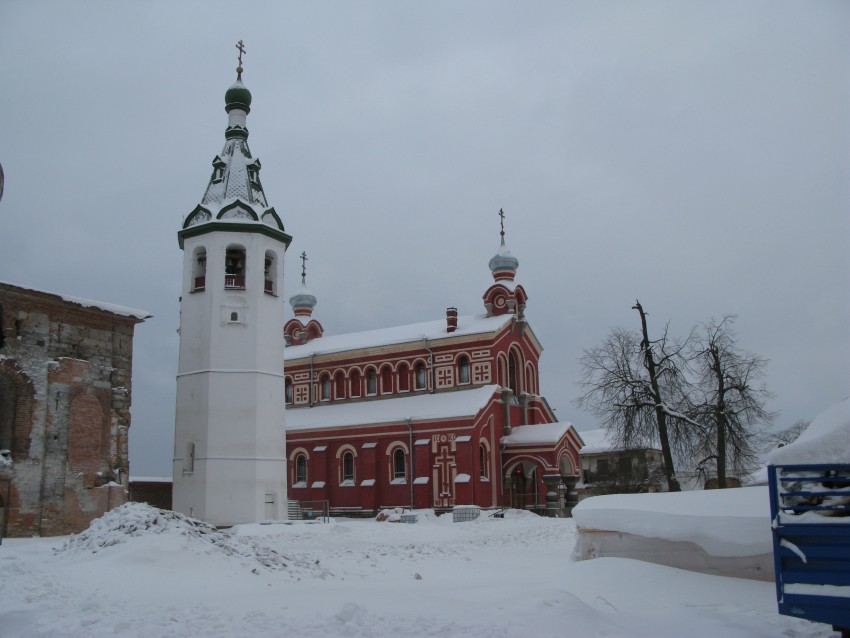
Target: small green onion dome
[(237, 97)]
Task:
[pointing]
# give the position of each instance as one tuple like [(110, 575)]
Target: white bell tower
[(230, 440)]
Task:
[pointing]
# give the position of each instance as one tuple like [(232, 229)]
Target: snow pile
[(136, 520), (393, 515), (733, 522), (826, 440), (5, 458)]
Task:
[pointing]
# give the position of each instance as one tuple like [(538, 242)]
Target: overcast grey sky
[(694, 155)]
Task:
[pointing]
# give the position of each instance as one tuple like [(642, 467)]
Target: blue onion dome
[(503, 261), (303, 299), (237, 97)]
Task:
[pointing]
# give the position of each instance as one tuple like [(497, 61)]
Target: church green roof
[(237, 97)]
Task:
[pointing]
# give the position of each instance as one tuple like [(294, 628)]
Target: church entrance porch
[(522, 487)]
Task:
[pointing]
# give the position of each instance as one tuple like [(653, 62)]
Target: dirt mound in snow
[(393, 515), (133, 520)]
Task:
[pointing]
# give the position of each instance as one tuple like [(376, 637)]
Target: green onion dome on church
[(237, 96)]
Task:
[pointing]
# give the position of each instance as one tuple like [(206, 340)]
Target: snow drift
[(724, 532), (826, 440)]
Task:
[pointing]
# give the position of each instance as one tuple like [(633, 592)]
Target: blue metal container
[(810, 514)]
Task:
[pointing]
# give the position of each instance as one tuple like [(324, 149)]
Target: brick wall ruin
[(65, 373)]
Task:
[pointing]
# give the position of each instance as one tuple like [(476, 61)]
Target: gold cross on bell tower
[(241, 48)]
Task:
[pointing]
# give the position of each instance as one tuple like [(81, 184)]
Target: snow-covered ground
[(141, 572)]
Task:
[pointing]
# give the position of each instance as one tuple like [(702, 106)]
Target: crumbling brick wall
[(65, 372)]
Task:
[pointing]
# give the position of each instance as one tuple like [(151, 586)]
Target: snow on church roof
[(420, 407), (538, 433), (595, 442), (466, 325), (90, 303)]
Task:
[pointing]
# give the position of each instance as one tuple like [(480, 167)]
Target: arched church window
[(403, 378), (355, 383), (463, 369), (339, 382), (270, 273), (371, 382), (484, 461), (421, 377), (512, 377), (301, 469), (326, 387), (288, 391), (386, 380), (199, 269), (530, 379), (348, 467), (234, 267), (399, 465)]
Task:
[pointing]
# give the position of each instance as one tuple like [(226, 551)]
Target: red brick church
[(427, 415)]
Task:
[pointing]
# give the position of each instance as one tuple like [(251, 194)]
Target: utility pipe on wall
[(430, 364), (312, 357), (409, 422)]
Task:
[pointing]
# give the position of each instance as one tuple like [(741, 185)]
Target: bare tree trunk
[(660, 416), (720, 417)]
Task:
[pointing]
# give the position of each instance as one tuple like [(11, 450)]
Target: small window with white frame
[(300, 470), (399, 460), (199, 269), (484, 462), (270, 273), (420, 376), (234, 268), (463, 370), (347, 469)]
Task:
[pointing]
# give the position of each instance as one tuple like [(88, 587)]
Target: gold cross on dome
[(502, 223), (303, 266), (241, 48)]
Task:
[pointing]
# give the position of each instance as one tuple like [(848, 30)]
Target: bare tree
[(637, 387), (727, 397), (788, 435)]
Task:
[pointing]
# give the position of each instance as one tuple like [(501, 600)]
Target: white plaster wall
[(230, 390)]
